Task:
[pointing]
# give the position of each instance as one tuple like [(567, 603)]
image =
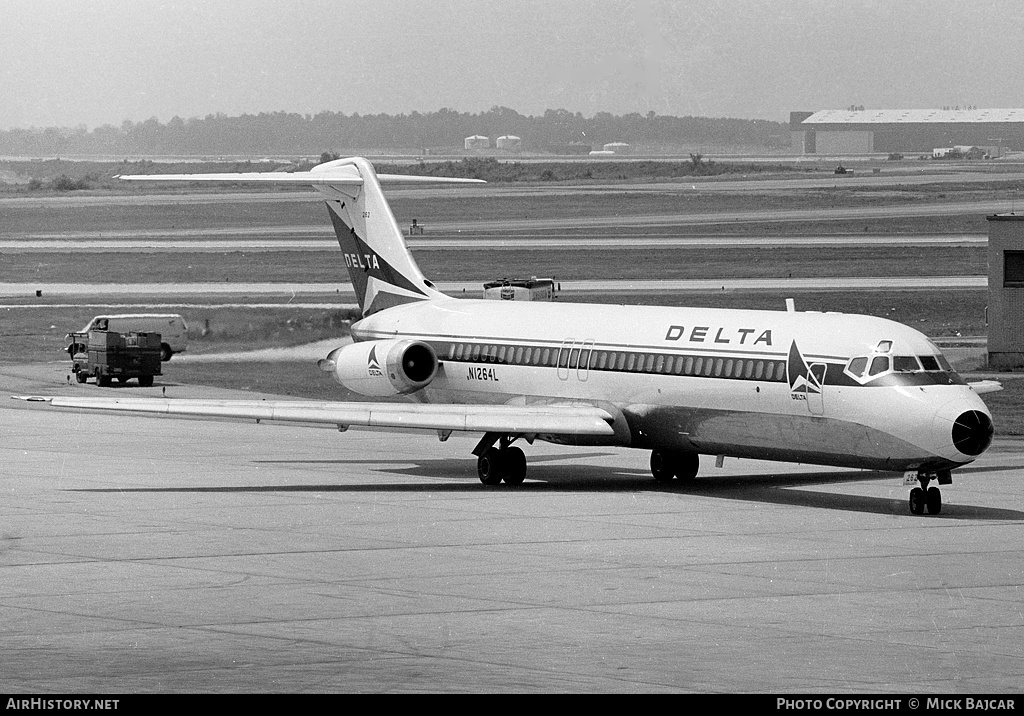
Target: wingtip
[(986, 386)]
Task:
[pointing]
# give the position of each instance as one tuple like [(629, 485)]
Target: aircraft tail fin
[(382, 270)]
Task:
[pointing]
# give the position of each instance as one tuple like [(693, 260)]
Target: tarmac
[(170, 555)]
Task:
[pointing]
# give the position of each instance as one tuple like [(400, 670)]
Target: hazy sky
[(94, 62)]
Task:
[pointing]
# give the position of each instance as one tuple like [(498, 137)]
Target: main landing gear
[(668, 465), (502, 462), (929, 498)]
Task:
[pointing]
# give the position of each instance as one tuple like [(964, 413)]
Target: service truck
[(107, 355), (170, 326), (522, 289)]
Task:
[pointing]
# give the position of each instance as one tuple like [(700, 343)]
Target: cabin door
[(816, 388), (574, 356), (568, 355), (583, 367)]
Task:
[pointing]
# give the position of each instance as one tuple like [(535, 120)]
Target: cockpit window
[(879, 364), (866, 369), (905, 364), (857, 366)]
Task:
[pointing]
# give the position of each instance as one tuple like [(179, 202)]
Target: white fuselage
[(773, 385)]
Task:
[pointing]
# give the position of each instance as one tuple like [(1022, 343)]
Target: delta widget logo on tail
[(380, 279)]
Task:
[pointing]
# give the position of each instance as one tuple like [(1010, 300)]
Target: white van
[(171, 327)]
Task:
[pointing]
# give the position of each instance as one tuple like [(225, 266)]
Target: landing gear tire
[(917, 500), (502, 464), (930, 498), (489, 466), (667, 465), (515, 466), (688, 466), (661, 466)]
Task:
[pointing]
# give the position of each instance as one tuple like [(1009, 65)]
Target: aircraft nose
[(967, 426)]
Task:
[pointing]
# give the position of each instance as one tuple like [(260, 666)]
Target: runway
[(518, 242), (166, 555), (342, 292)]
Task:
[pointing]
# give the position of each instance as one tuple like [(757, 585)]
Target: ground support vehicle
[(170, 326), (106, 355)]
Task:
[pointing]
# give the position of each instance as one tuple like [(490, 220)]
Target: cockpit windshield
[(879, 365), (876, 365), (906, 364)]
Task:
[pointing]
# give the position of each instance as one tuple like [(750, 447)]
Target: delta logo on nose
[(802, 380)]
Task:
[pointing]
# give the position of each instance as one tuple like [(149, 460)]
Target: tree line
[(443, 131)]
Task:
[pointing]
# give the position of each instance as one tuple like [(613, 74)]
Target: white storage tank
[(618, 148), (478, 142), (510, 143)]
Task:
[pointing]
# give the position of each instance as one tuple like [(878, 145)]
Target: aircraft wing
[(986, 386), (510, 419)]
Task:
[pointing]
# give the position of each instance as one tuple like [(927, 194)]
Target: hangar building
[(860, 131), (1005, 310)]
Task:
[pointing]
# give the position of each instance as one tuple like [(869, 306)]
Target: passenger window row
[(586, 358)]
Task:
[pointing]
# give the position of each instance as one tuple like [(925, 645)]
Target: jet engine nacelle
[(382, 368)]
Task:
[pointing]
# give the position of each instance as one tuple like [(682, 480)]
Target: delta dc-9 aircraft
[(820, 388)]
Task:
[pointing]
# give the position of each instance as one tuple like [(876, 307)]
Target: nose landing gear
[(930, 498)]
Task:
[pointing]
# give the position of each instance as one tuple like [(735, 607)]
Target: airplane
[(794, 386)]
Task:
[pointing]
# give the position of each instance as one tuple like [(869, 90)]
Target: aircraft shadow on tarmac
[(564, 477)]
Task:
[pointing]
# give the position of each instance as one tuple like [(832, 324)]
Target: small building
[(509, 143), (618, 148), (478, 141), (1006, 291)]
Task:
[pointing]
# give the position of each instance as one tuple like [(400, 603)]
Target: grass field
[(37, 333), (484, 265)]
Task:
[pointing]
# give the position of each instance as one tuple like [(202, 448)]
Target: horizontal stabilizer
[(508, 419), (303, 178), (322, 175), (380, 266)]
